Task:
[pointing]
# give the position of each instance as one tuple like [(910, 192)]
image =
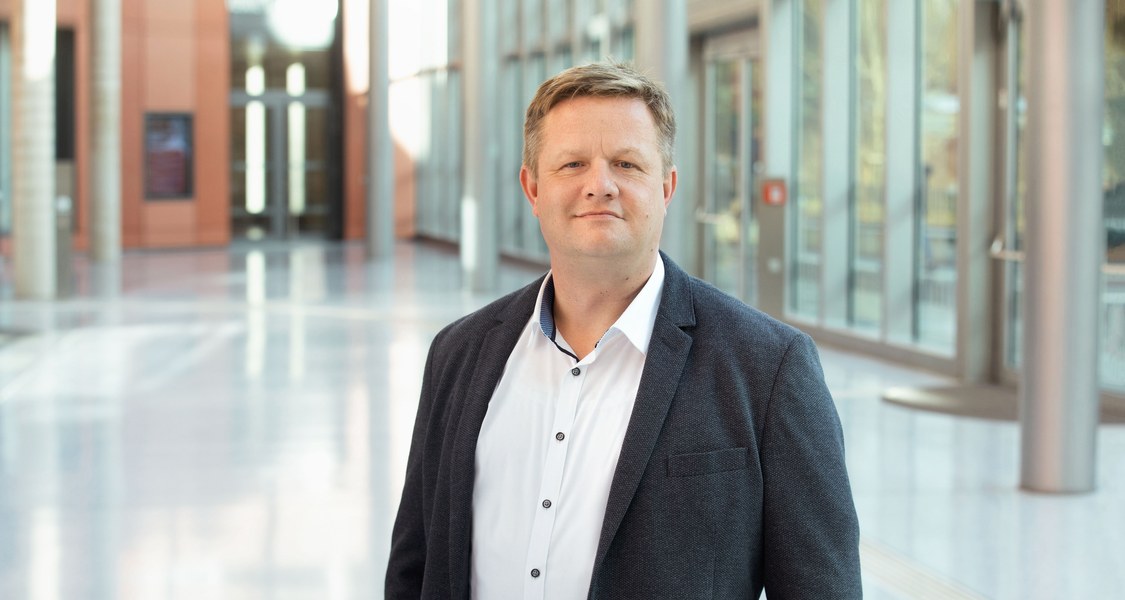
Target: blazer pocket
[(686, 465)]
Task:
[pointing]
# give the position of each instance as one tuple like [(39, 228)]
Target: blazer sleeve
[(810, 526), (407, 562)]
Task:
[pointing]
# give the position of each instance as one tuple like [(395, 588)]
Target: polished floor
[(228, 424)]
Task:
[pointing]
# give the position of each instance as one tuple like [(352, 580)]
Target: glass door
[(285, 139), (732, 156), (279, 186)]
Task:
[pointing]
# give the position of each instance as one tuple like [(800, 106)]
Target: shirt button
[(576, 371), (535, 572), (546, 504), (560, 436)]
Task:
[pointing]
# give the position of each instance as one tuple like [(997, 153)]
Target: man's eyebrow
[(635, 153)]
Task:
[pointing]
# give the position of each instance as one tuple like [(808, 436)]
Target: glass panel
[(250, 185), (751, 167), (534, 74), (866, 289), (316, 133), (623, 44), (722, 233), (436, 166), (936, 274), (314, 218), (560, 60), (295, 170), (1113, 333), (558, 20), (509, 26), (1113, 317), (512, 205), (1014, 220), (1114, 136), (453, 29), (454, 149), (5, 130), (257, 143), (805, 238), (533, 24)]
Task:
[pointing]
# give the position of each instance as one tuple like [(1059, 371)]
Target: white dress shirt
[(547, 451)]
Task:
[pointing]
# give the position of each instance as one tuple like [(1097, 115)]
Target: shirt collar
[(636, 323)]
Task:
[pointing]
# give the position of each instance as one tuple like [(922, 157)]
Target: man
[(619, 429)]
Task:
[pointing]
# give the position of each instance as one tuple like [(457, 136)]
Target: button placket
[(543, 525)]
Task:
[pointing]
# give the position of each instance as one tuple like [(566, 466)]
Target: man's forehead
[(614, 110)]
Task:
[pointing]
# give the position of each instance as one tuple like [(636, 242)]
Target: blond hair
[(599, 80)]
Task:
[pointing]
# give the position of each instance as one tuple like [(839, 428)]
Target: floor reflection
[(234, 424)]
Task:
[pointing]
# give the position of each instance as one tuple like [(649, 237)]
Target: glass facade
[(850, 293), (898, 283)]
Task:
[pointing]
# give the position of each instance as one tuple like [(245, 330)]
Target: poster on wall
[(168, 156)]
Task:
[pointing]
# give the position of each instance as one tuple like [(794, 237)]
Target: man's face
[(600, 190)]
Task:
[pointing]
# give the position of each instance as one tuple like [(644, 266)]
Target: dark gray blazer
[(731, 476)]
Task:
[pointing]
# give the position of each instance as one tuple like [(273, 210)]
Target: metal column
[(33, 147), (380, 151), (480, 248), (105, 158), (662, 37), (1065, 246)]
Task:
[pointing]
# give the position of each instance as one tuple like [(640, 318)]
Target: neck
[(589, 300)]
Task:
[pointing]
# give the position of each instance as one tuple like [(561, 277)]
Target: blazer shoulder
[(729, 319)]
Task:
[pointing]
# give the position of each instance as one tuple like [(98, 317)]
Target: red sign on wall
[(774, 192)]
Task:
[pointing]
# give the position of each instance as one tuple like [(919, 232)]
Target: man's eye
[(627, 165), (572, 165)]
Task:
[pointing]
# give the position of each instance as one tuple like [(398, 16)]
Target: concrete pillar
[(1065, 245), (380, 150), (33, 148), (661, 43), (480, 247), (105, 157)]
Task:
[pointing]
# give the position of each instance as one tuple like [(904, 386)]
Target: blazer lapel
[(492, 353), (667, 355)]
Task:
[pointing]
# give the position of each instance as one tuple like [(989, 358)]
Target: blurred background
[(229, 229)]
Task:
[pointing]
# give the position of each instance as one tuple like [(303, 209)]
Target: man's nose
[(600, 182)]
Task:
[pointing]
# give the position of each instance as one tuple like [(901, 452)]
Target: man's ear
[(530, 188), (669, 186)]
